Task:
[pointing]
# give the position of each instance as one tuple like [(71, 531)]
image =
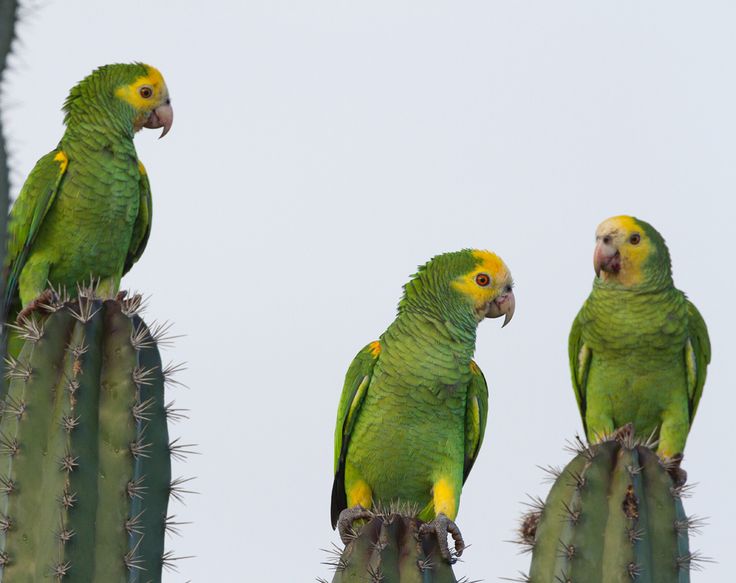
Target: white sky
[(322, 150)]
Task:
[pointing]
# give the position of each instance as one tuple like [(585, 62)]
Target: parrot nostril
[(607, 240)]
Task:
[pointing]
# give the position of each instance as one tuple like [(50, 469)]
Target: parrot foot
[(624, 435), (673, 466), (347, 518), (442, 526), (47, 298)]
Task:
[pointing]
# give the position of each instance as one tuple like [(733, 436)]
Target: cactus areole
[(85, 472), (612, 516)]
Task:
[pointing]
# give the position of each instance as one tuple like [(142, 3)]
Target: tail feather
[(339, 496)]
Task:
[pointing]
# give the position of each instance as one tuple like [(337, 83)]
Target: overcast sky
[(322, 150)]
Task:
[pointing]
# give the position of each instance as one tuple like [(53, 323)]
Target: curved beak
[(503, 305), (161, 117), (606, 258)]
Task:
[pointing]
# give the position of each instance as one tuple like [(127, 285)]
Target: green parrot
[(414, 405), (638, 348), (84, 213)]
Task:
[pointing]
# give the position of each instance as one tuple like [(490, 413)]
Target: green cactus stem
[(390, 549), (613, 515), (85, 457), (8, 20)]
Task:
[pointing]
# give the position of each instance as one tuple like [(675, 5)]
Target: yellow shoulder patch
[(374, 348), (142, 168), (63, 160), (474, 368)]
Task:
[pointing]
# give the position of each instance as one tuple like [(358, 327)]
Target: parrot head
[(471, 284), (630, 253), (126, 96)]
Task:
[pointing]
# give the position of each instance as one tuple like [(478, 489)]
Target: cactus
[(8, 19), (85, 470), (613, 515), (390, 549)]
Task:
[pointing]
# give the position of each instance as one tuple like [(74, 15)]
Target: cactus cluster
[(391, 549), (613, 515), (85, 456)]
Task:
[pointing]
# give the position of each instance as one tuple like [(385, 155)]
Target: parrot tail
[(339, 496)]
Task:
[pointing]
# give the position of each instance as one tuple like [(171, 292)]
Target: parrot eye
[(634, 239), (146, 92), (483, 279)]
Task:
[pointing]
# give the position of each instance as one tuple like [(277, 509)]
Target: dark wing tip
[(339, 500)]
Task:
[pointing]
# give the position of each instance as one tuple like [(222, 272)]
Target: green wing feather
[(579, 354), (354, 390), (476, 415), (142, 227), (697, 356), (35, 200)]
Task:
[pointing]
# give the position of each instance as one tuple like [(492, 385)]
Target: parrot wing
[(579, 354), (354, 390), (697, 356), (142, 227), (476, 415), (35, 199)]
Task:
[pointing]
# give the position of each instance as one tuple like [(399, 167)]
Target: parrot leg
[(32, 283), (600, 427), (672, 465), (45, 298), (347, 518), (672, 437), (445, 502), (442, 526), (108, 287)]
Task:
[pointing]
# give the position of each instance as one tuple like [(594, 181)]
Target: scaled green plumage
[(414, 405), (84, 213), (639, 348)]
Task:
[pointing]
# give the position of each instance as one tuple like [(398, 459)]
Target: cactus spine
[(85, 472), (612, 515), (390, 549)]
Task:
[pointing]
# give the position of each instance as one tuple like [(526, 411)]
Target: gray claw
[(442, 526), (346, 519)]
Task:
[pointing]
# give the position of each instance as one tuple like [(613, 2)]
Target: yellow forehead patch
[(620, 229), (491, 264), (131, 93), (623, 223)]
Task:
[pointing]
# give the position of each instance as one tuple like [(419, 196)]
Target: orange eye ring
[(146, 92), (483, 279), (635, 239)]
